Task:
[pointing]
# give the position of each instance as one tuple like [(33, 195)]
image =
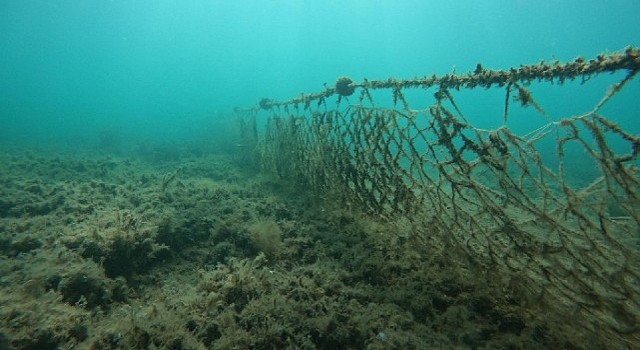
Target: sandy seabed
[(151, 251)]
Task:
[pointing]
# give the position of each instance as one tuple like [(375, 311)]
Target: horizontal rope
[(554, 72)]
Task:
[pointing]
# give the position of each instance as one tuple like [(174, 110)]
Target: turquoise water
[(73, 71)]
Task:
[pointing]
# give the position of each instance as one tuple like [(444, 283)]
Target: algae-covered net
[(544, 195)]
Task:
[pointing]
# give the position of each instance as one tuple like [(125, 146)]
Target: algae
[(224, 258)]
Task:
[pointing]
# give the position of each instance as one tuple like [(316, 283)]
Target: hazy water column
[(159, 69)]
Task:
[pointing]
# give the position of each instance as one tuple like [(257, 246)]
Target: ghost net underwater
[(511, 201)]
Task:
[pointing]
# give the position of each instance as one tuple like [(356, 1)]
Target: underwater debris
[(493, 194)]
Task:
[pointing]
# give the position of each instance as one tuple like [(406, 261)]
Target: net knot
[(265, 103), (344, 86)]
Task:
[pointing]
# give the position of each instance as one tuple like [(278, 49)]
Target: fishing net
[(555, 208)]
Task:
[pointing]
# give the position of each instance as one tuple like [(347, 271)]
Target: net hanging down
[(512, 202)]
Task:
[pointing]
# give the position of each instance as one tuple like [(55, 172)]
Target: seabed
[(198, 251)]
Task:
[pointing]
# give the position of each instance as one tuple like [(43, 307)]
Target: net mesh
[(512, 202)]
